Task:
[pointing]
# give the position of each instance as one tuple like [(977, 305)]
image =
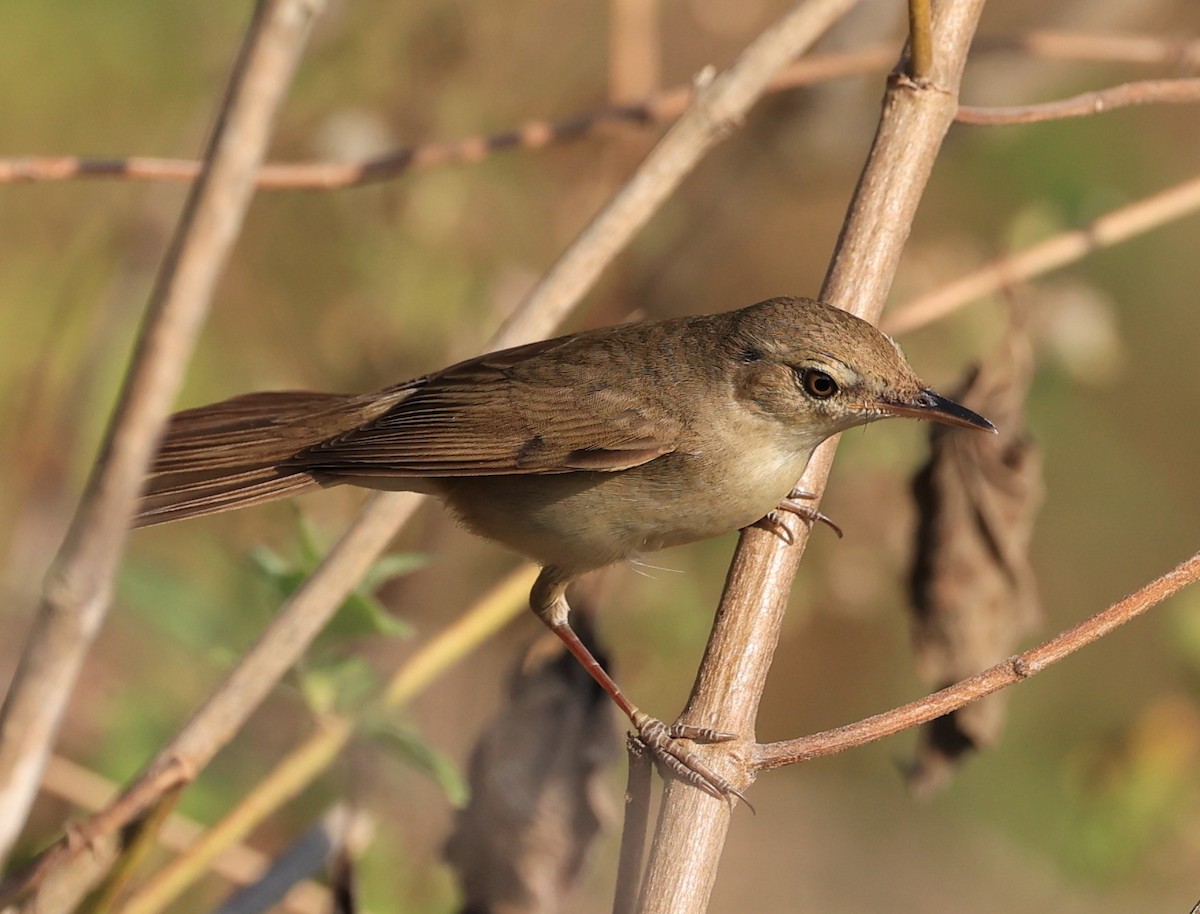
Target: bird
[(577, 452)]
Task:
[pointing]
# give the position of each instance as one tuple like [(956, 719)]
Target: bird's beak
[(928, 405)]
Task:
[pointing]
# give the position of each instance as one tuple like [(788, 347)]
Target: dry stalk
[(1146, 92), (660, 107), (78, 587), (1000, 676), (1055, 252), (692, 825)]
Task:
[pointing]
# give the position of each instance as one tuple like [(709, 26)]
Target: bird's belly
[(581, 521)]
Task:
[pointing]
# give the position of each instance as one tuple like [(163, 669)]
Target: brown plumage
[(578, 451)]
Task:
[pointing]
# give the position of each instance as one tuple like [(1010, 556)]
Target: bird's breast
[(585, 520)]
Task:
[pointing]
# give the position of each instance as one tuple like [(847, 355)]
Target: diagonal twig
[(1002, 675), (658, 108), (728, 688), (1057, 251), (297, 770), (79, 585), (1145, 92)]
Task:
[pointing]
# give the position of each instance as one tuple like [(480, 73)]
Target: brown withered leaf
[(343, 883), (972, 587), (538, 794)]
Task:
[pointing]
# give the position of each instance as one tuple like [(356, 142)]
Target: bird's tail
[(236, 453)]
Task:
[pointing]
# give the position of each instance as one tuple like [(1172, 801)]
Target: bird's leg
[(548, 599), (794, 503)]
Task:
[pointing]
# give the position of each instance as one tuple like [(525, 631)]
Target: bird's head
[(820, 370)]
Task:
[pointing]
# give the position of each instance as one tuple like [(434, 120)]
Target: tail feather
[(224, 493), (234, 454)]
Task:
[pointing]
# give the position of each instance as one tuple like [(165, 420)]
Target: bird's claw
[(794, 504), (666, 743)]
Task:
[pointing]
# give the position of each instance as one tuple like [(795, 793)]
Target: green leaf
[(338, 686), (411, 748), (361, 614), (395, 565)]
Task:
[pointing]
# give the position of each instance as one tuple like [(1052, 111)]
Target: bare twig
[(633, 830), (1146, 92), (726, 695), (658, 108), (1002, 675), (305, 762), (78, 587), (240, 864), (1060, 250)]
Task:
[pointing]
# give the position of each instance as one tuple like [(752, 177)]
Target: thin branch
[(79, 585), (1146, 92), (633, 830), (227, 709), (658, 108), (1111, 228), (301, 766), (728, 688), (239, 864), (1002, 675)]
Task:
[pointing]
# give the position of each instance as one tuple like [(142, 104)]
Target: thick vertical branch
[(79, 585), (692, 825)]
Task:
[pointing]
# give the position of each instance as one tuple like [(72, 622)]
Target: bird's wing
[(509, 412)]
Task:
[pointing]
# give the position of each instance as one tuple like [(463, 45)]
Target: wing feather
[(502, 413)]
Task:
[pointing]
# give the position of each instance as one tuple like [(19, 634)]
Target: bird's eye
[(820, 385)]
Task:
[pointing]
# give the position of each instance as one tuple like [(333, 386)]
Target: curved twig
[(1002, 675), (659, 108), (1111, 228), (1146, 92), (732, 676), (78, 587)]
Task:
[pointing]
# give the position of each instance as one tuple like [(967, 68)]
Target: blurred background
[(1091, 800)]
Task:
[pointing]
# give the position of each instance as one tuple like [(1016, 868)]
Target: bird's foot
[(794, 503), (671, 752)]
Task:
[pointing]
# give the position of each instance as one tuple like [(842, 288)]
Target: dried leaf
[(972, 586), (538, 795), (343, 883)]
